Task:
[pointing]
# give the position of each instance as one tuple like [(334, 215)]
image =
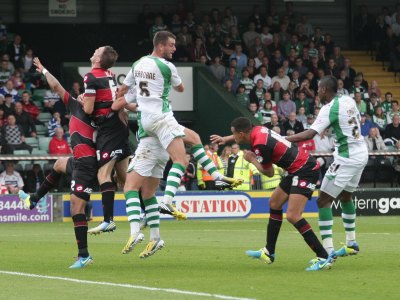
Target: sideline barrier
[(12, 210), (251, 205)]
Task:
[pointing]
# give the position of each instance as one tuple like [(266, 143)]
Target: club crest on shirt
[(350, 112)]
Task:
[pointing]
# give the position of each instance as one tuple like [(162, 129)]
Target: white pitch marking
[(131, 286)]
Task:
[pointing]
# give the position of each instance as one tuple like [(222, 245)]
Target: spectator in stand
[(257, 93), (25, 120), (240, 57), (241, 96), (58, 145), (296, 78), (338, 57), (175, 25), (306, 89), (300, 67), (190, 22), (253, 109), (374, 141), (392, 131), (158, 26), (217, 69), (207, 26), (264, 76), (76, 89), (301, 101), (247, 81), (232, 76), (286, 107), (331, 68), (349, 71), (197, 50), (301, 116), (329, 45), (341, 90), (359, 88), (18, 81), (292, 124), (226, 152), (276, 44), (374, 102), (347, 83), (258, 59), (360, 103), (322, 58), (268, 97), (379, 120), (294, 44), (27, 61), (13, 136), (276, 62), (30, 107), (5, 72), (3, 34), (394, 111), (229, 14), (8, 106), (283, 79), (317, 38), (250, 35), (228, 85), (273, 123), (276, 92), (310, 121), (8, 89), (266, 36), (366, 124), (374, 89), (251, 67), (257, 18), (54, 123), (254, 51), (291, 89), (11, 179), (235, 35), (227, 49), (212, 47), (16, 50), (267, 112), (34, 179), (284, 35), (184, 37), (387, 103), (3, 119), (308, 28)]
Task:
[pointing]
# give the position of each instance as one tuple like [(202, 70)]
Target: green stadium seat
[(32, 141), (44, 143), (21, 152), (39, 152), (44, 117), (41, 130)]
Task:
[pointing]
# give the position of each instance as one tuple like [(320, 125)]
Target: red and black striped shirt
[(81, 130), (271, 148), (101, 84)]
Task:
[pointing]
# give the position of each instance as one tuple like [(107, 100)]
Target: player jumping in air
[(268, 148), (350, 157)]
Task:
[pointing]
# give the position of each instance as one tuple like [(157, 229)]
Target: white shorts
[(163, 126), (342, 176), (150, 158)]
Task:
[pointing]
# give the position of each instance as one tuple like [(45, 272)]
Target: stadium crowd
[(271, 63)]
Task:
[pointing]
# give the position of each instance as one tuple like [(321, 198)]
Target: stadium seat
[(32, 141), (39, 152), (44, 143), (18, 167), (21, 152), (44, 117), (28, 167), (41, 130)]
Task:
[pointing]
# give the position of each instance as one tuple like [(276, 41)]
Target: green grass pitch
[(200, 256)]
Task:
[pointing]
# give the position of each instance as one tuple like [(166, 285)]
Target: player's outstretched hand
[(214, 138), (38, 65), (249, 156)]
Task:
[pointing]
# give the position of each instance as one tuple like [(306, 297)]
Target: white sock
[(135, 227)]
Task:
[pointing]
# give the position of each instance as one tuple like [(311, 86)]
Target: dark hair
[(395, 101), (108, 58), (241, 124), (388, 93), (330, 83), (7, 95), (162, 37)]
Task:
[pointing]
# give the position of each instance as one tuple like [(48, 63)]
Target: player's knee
[(293, 217), (274, 204), (60, 165), (77, 204)]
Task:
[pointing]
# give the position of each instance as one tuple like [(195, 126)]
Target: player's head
[(164, 44), (104, 57), (327, 88), (241, 128)]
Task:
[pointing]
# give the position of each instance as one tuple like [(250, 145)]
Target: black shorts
[(112, 141), (302, 182), (83, 176)]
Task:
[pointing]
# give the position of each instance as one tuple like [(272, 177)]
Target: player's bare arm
[(251, 158), (221, 140), (302, 136), (54, 84), (122, 90), (180, 88), (88, 104)]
